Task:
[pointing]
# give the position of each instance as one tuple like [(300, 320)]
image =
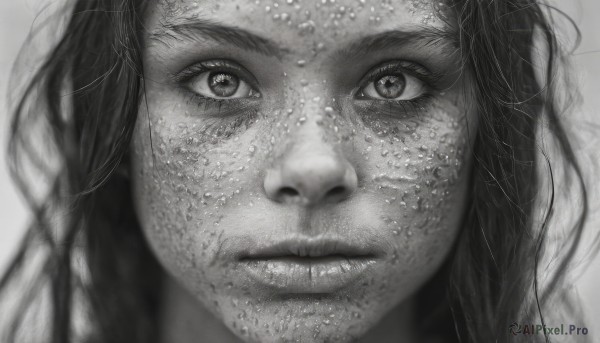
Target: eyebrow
[(417, 36), (240, 38)]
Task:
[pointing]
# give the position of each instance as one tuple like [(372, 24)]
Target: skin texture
[(208, 176)]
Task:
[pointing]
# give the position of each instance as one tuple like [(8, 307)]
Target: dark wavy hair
[(82, 105)]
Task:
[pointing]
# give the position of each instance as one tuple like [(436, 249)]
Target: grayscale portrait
[(380, 171)]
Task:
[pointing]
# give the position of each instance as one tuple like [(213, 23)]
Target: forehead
[(301, 22)]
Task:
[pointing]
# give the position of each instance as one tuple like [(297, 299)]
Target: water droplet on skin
[(252, 150), (395, 257)]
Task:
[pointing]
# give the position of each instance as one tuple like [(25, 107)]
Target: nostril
[(288, 192), (307, 180), (336, 192)]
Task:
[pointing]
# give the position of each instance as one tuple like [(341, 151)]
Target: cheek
[(416, 170), (185, 182)]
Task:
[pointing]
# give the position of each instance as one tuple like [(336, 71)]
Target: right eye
[(221, 85), (218, 79)]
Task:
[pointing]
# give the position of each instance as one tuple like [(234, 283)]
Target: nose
[(310, 177)]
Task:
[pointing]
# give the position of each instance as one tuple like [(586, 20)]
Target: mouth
[(308, 265)]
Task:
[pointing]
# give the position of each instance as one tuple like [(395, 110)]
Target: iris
[(223, 84), (390, 86)]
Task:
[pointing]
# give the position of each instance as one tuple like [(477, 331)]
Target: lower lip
[(307, 275)]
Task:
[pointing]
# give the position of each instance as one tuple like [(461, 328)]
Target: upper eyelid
[(405, 66)]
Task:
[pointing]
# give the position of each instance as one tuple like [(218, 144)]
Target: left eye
[(393, 86), (221, 85)]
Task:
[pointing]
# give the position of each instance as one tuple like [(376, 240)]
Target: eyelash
[(218, 125), (407, 107)]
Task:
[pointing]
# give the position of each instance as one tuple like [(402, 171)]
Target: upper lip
[(308, 247)]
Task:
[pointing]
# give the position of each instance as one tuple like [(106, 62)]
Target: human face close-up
[(300, 167)]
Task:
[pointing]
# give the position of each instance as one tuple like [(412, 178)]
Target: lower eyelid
[(225, 107), (395, 108), (226, 122)]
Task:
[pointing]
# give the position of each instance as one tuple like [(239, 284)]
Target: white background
[(16, 17)]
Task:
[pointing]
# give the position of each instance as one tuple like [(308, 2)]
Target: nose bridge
[(310, 123), (311, 133), (311, 168), (314, 115)]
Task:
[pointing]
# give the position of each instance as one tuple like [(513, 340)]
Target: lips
[(308, 264)]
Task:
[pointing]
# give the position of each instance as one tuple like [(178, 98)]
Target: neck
[(185, 320)]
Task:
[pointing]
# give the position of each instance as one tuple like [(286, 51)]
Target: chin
[(303, 318)]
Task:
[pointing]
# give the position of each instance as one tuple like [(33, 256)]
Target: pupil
[(223, 84), (390, 86)]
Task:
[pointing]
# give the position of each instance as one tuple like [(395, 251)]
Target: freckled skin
[(199, 183)]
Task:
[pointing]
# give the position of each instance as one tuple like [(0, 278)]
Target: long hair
[(85, 98)]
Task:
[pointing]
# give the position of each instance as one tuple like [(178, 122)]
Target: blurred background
[(17, 16)]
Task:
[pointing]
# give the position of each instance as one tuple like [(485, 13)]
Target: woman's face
[(299, 166)]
